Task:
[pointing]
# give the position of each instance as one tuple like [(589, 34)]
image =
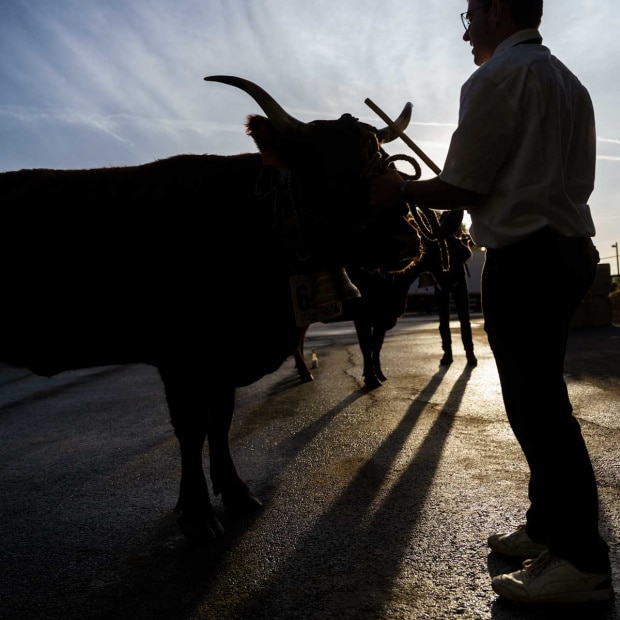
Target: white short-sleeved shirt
[(526, 140)]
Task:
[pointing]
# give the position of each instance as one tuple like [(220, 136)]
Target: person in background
[(451, 284), (522, 161)]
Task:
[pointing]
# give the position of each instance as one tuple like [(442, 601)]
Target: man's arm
[(387, 191)]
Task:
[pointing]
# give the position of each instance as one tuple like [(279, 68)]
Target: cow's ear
[(262, 132)]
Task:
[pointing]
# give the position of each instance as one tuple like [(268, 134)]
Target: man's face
[(479, 31)]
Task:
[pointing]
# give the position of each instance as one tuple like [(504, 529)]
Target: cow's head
[(324, 169)]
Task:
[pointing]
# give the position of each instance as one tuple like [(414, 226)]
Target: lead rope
[(432, 222), (426, 220)]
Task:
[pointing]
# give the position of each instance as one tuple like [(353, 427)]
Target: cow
[(382, 301), (450, 285), (384, 298), (186, 263)]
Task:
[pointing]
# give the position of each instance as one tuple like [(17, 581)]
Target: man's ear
[(498, 11)]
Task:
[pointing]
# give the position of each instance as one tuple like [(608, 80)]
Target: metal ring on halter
[(426, 220)]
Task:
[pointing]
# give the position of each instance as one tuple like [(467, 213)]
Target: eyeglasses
[(466, 17)]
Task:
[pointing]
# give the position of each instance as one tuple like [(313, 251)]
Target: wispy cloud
[(85, 83), (434, 124)]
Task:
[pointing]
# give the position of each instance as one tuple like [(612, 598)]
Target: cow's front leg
[(236, 494), (190, 421), (305, 374)]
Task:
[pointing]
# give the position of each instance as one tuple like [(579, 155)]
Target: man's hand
[(385, 190), (428, 193)]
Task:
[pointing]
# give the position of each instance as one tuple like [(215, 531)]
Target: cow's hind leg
[(236, 495), (190, 422)]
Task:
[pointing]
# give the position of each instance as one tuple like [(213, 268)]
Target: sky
[(90, 83)]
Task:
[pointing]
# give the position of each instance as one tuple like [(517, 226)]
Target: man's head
[(491, 21)]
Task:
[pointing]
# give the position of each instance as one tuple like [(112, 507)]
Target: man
[(522, 160)]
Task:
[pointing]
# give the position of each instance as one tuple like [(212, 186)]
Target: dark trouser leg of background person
[(460, 294), (529, 293), (442, 299)]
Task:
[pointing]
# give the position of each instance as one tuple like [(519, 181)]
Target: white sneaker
[(549, 579), (517, 544)]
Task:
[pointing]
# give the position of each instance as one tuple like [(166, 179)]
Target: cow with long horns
[(191, 261)]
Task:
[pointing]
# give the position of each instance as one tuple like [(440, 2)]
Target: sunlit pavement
[(377, 504)]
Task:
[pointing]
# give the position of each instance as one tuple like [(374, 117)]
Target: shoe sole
[(523, 555), (591, 596)]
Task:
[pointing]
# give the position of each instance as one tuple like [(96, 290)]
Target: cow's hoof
[(372, 383), (381, 377), (446, 360), (200, 530), (306, 378)]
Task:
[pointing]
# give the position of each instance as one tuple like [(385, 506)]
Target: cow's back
[(119, 265)]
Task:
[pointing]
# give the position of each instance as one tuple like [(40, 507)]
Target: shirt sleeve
[(483, 139)]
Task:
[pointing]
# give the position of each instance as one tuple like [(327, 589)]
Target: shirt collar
[(516, 38)]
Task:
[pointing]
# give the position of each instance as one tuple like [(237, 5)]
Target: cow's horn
[(387, 134), (274, 111)]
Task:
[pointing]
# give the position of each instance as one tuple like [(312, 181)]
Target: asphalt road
[(377, 504)]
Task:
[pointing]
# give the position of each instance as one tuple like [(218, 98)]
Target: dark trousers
[(530, 291), (457, 289)]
